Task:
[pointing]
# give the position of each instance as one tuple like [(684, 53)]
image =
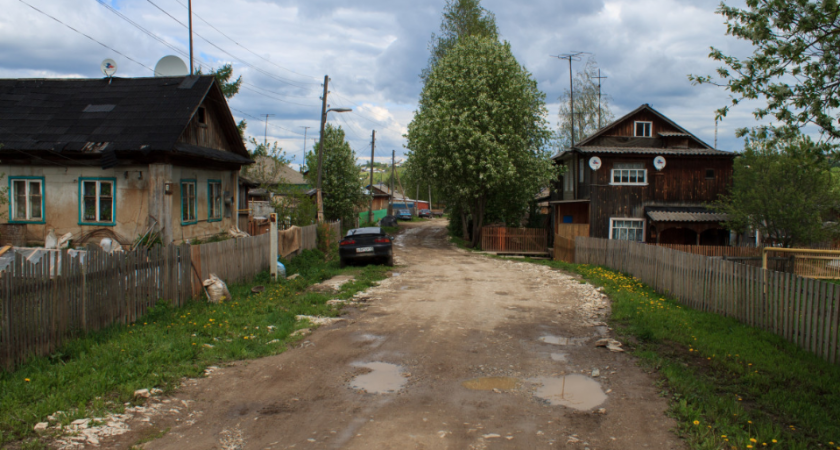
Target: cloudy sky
[(373, 51)]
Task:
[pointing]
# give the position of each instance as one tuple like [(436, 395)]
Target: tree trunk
[(465, 224), (478, 220)]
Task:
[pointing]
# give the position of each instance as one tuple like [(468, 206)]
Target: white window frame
[(632, 219), (649, 128), (214, 200), (628, 183), (27, 193), (98, 195), (186, 186)]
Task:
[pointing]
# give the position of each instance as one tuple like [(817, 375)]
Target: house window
[(629, 174), (627, 229), (97, 202), (188, 202), (643, 129), (27, 199), (214, 200), (202, 115), (567, 178), (710, 174)]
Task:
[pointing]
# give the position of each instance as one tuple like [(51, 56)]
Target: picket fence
[(523, 241), (804, 311), (66, 294)]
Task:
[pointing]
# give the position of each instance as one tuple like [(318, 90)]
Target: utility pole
[(370, 188), (304, 143), (318, 193), (391, 201), (265, 137), (574, 56), (599, 77), (716, 122), (189, 11), (430, 198)]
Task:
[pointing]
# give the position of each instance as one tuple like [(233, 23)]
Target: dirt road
[(470, 353)]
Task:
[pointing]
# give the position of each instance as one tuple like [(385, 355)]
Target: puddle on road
[(395, 274), (384, 378), (572, 391), (601, 331), (371, 339), (490, 383), (560, 340), (561, 357)]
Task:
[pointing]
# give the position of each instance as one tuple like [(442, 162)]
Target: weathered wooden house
[(118, 157), (643, 178)]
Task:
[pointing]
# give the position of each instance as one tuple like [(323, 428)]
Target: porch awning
[(687, 216)]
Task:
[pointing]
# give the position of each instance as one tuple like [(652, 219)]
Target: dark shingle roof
[(130, 114), (656, 151), (684, 214)]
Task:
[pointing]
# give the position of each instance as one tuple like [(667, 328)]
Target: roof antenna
[(716, 122), (109, 68)]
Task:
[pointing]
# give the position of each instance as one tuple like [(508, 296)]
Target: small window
[(643, 129), (710, 174), (627, 229), (27, 199), (629, 174), (202, 115), (97, 201), (188, 202), (214, 200)]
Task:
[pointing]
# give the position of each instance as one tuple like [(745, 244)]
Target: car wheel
[(342, 263)]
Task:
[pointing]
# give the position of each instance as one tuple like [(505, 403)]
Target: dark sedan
[(425, 213), (366, 245)]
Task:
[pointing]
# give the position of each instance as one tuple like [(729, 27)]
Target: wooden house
[(643, 178), (119, 157)]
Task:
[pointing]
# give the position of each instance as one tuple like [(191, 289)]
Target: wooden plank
[(827, 315), (835, 321)]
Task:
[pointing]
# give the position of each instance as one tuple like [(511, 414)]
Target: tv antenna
[(265, 136), (109, 68), (599, 78), (573, 56), (170, 66)]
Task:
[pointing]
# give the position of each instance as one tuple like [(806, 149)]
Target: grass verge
[(730, 386), (100, 371)]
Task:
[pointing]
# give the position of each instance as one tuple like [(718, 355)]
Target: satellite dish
[(171, 66), (108, 67), (595, 163), (659, 162)]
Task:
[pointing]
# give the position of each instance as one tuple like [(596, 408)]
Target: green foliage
[(586, 103), (727, 382), (272, 150), (4, 195), (783, 187), (480, 132), (294, 206), (795, 65), (342, 188), (97, 373), (461, 18)]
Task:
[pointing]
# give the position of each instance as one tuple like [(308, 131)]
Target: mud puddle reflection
[(572, 391), (559, 357), (491, 383), (383, 378), (560, 340)]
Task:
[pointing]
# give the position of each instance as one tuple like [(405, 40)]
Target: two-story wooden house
[(644, 178)]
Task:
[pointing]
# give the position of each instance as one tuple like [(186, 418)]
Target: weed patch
[(99, 372), (730, 386)]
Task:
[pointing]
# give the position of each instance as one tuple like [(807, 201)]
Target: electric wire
[(89, 37), (247, 64), (246, 48)]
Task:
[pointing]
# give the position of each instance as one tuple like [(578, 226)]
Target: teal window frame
[(82, 220), (195, 201), (210, 184), (12, 200)]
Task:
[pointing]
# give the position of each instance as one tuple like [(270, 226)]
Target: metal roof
[(654, 151), (686, 216), (674, 133)]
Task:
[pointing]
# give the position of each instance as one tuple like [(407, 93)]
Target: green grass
[(99, 372), (727, 382)]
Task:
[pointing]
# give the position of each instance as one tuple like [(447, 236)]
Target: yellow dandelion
[(696, 422)]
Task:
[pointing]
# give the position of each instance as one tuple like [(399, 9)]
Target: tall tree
[(340, 176), (480, 131), (461, 18), (586, 102), (229, 88), (795, 66), (783, 187)]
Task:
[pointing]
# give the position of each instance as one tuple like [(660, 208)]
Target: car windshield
[(367, 230)]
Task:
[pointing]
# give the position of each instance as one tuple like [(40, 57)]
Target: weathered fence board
[(515, 240), (805, 311)]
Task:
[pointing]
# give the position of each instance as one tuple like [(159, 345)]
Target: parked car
[(403, 214), (366, 245), (425, 213)]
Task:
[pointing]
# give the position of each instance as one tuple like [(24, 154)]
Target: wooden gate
[(518, 241)]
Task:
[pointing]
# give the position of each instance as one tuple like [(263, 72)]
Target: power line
[(247, 49), (275, 93), (87, 36), (247, 64)]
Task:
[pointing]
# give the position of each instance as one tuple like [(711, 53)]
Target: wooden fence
[(564, 240), (309, 237), (804, 311), (520, 241), (233, 260)]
